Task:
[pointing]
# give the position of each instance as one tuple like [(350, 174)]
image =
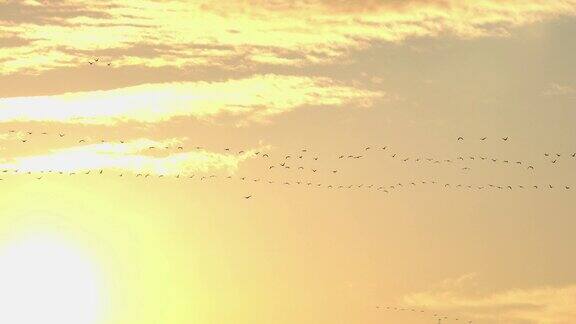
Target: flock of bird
[(439, 317), (297, 162)]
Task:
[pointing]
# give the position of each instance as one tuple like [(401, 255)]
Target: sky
[(297, 161)]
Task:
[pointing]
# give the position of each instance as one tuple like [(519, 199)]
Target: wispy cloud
[(556, 89), (541, 305), (242, 33), (130, 156), (252, 99)]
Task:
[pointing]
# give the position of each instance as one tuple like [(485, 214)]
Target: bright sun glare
[(45, 279)]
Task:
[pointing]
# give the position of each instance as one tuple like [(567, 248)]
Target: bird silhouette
[(460, 138), (248, 197), (504, 138)]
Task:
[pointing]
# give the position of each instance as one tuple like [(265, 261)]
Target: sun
[(46, 279)]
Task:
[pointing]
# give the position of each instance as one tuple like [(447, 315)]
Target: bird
[(248, 197), (483, 138), (180, 148), (314, 170), (61, 135), (530, 167), (460, 138), (504, 139)]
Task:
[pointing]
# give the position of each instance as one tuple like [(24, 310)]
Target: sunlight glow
[(44, 279)]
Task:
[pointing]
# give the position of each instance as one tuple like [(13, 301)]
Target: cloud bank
[(240, 34)]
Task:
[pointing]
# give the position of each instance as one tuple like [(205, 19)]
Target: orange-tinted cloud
[(242, 33), (130, 156), (252, 99), (541, 305)]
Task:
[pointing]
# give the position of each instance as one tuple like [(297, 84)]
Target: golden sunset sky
[(287, 162)]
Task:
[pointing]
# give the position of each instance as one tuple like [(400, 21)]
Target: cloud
[(130, 156), (556, 89), (252, 32), (541, 305), (252, 99)]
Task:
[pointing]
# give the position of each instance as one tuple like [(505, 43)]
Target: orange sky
[(407, 154)]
